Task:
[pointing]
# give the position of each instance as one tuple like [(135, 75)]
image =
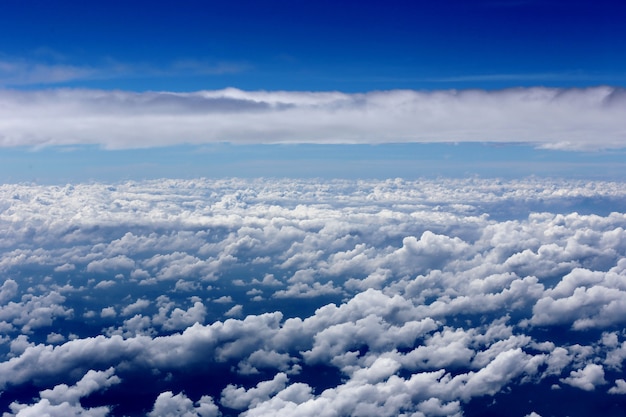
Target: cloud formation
[(296, 297), (588, 119)]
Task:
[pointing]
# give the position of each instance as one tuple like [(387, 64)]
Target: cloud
[(380, 297), (169, 405), (587, 378), (239, 398), (92, 381), (135, 307), (8, 290), (619, 388), (584, 298), (64, 400), (235, 311), (181, 319), (553, 118)]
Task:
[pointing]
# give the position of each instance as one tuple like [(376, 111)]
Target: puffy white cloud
[(90, 382), (120, 262), (33, 311), (619, 388), (504, 368), (135, 307), (234, 311), (304, 290), (45, 408), (560, 118), (587, 378), (108, 312), (240, 398), (180, 319), (411, 302), (64, 400), (583, 299), (8, 290), (375, 390), (169, 405), (269, 360), (54, 338)]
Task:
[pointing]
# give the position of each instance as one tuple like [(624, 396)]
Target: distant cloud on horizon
[(572, 118)]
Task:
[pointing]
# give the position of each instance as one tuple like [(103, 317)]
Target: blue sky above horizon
[(365, 48), (313, 46)]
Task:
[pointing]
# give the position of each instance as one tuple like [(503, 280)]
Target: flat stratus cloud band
[(582, 119)]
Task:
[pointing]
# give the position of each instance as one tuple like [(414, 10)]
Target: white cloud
[(169, 405), (240, 398), (108, 312), (55, 338), (113, 264), (181, 319), (90, 382), (64, 400), (433, 302), (235, 311), (559, 118), (34, 312), (619, 388), (587, 378), (225, 299), (8, 290), (135, 307)]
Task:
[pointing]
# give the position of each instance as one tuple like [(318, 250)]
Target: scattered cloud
[(377, 297)]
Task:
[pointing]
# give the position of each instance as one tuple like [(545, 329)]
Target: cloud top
[(292, 297), (580, 119)]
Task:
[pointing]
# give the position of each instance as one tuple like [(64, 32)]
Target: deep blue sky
[(319, 45), (346, 46)]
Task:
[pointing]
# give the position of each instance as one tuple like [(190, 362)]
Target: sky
[(312, 46), (209, 75), (324, 208)]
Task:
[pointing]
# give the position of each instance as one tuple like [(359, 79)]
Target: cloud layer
[(296, 298), (588, 119)]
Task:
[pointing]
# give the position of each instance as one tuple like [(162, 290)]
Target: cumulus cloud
[(169, 405), (235, 311), (64, 400), (557, 118), (619, 388), (587, 378), (373, 297)]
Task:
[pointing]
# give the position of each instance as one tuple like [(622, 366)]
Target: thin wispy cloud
[(23, 72), (521, 76), (20, 72)]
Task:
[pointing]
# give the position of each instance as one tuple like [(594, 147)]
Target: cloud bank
[(583, 119), (307, 298)]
